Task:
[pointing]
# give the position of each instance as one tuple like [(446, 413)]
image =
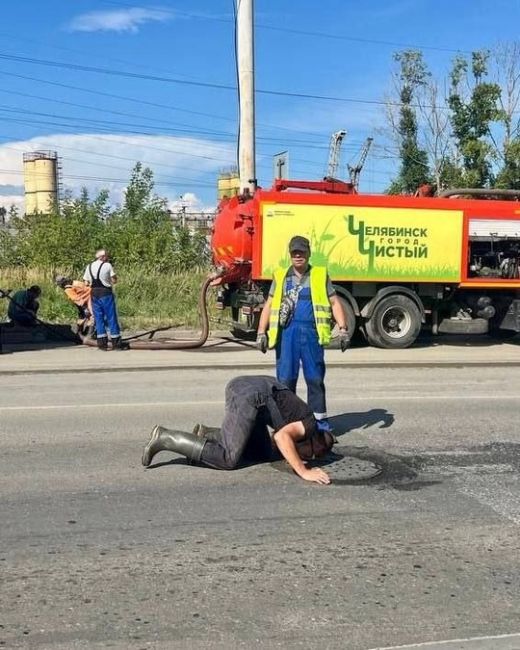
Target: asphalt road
[(96, 552)]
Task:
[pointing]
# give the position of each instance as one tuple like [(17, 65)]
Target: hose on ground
[(133, 344)]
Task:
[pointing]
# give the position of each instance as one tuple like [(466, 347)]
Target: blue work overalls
[(298, 342), (104, 307)]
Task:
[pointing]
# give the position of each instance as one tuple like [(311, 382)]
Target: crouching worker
[(23, 307), (80, 294), (253, 403)]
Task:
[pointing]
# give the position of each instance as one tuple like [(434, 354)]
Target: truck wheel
[(350, 317), (395, 322)]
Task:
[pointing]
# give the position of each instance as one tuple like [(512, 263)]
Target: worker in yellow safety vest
[(298, 313)]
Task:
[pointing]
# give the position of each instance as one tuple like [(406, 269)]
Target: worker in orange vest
[(80, 294)]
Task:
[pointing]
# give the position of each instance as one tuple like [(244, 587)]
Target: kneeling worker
[(252, 404)]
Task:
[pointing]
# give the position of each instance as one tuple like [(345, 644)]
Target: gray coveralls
[(251, 407)]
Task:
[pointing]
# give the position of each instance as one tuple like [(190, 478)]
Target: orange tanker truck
[(398, 263)]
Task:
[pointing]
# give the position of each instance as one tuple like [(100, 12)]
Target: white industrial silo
[(41, 181)]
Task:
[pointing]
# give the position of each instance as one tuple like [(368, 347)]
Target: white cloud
[(119, 20), (180, 165), (191, 202)]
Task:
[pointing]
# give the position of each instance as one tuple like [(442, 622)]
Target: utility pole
[(246, 92)]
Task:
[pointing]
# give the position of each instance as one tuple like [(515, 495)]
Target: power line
[(100, 164), (87, 106), (89, 54), (108, 126), (148, 103), (264, 164), (201, 84), (112, 139), (109, 180), (354, 39), (145, 145), (112, 72), (123, 125)]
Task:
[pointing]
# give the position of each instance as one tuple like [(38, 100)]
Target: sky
[(107, 83)]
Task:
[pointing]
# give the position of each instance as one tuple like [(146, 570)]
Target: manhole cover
[(347, 467), (341, 468)]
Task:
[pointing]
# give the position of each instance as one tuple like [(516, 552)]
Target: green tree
[(65, 237), (507, 74), (509, 175), (141, 233), (472, 116), (414, 168)]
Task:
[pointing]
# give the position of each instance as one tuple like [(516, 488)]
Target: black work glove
[(261, 343), (344, 340)]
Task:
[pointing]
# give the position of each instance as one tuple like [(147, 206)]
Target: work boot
[(117, 343), (102, 343), (203, 431), (180, 442)]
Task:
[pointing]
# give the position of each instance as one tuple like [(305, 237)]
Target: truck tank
[(232, 238)]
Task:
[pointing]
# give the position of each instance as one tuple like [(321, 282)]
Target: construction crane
[(355, 171), (334, 153)]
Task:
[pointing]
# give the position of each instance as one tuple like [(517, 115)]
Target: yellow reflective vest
[(320, 304)]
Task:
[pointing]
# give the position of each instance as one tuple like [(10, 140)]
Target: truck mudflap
[(511, 320)]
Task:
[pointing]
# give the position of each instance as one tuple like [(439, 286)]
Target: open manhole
[(343, 468)]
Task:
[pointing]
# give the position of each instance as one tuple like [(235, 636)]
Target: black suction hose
[(134, 344)]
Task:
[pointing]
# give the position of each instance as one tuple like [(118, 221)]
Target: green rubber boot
[(180, 442), (203, 431)]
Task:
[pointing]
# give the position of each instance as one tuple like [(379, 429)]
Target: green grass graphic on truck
[(372, 244)]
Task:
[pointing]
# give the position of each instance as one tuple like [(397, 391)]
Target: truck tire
[(394, 323), (350, 318)]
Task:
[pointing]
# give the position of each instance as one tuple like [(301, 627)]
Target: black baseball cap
[(299, 243)]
